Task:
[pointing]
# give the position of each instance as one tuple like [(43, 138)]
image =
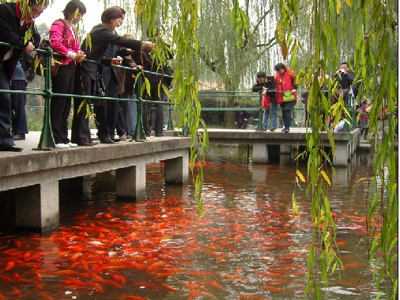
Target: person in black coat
[(345, 78), (263, 81), (153, 114), (99, 78), (15, 24)]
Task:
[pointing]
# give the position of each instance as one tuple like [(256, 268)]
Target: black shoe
[(19, 137), (106, 140), (286, 130), (9, 148), (272, 129), (88, 144)]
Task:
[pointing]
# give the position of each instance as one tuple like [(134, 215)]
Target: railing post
[(140, 135), (46, 141), (170, 121)]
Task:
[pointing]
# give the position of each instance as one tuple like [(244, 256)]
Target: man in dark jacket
[(16, 28), (263, 81), (345, 78)]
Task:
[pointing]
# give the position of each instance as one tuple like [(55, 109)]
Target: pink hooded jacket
[(63, 40)]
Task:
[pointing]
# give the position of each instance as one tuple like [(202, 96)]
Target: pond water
[(247, 244)]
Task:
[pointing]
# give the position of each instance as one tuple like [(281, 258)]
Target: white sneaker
[(72, 145), (62, 146)]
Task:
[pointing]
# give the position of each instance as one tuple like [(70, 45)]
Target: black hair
[(344, 63), (112, 13), (261, 74), (71, 8), (39, 2), (279, 67)]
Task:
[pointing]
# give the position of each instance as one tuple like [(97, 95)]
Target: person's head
[(261, 77), (74, 11), (113, 16), (280, 68), (36, 9), (344, 66)]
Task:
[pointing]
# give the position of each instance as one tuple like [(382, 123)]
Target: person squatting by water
[(64, 40), (15, 23), (100, 79), (286, 94), (265, 86)]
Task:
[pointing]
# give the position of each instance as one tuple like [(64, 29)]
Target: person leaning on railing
[(127, 109), (16, 28), (64, 40), (102, 38)]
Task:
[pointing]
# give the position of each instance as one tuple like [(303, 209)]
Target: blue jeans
[(266, 118), (287, 113), (271, 113)]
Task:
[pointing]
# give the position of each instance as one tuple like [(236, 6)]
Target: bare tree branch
[(272, 42), (262, 18)]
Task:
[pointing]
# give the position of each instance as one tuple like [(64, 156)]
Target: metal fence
[(46, 141)]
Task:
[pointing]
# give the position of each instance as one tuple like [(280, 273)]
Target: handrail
[(46, 138)]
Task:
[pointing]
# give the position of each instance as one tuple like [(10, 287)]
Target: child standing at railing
[(363, 120)]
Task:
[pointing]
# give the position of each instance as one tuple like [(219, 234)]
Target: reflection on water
[(248, 245)]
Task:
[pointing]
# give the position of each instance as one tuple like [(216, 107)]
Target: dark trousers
[(80, 122), (63, 82), (122, 125), (18, 102), (107, 112), (5, 111), (153, 118), (287, 113)]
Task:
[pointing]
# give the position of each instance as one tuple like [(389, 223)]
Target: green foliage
[(363, 32), (185, 44)]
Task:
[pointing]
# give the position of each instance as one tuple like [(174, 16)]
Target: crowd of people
[(281, 91), (84, 68)]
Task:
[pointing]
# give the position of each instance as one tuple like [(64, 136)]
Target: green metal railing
[(46, 141), (251, 104)]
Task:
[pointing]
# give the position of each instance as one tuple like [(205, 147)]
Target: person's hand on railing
[(117, 60), (29, 48), (80, 56)]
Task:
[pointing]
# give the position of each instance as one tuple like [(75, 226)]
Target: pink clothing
[(63, 40)]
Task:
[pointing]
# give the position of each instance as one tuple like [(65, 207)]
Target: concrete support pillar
[(342, 176), (177, 169), (131, 182), (342, 155), (286, 150), (260, 154), (38, 207)]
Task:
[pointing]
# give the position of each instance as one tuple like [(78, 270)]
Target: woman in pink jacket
[(64, 41)]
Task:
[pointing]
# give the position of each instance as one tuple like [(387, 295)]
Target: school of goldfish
[(247, 245)]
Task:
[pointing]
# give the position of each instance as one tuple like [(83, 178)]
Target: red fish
[(119, 278), (10, 265)]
